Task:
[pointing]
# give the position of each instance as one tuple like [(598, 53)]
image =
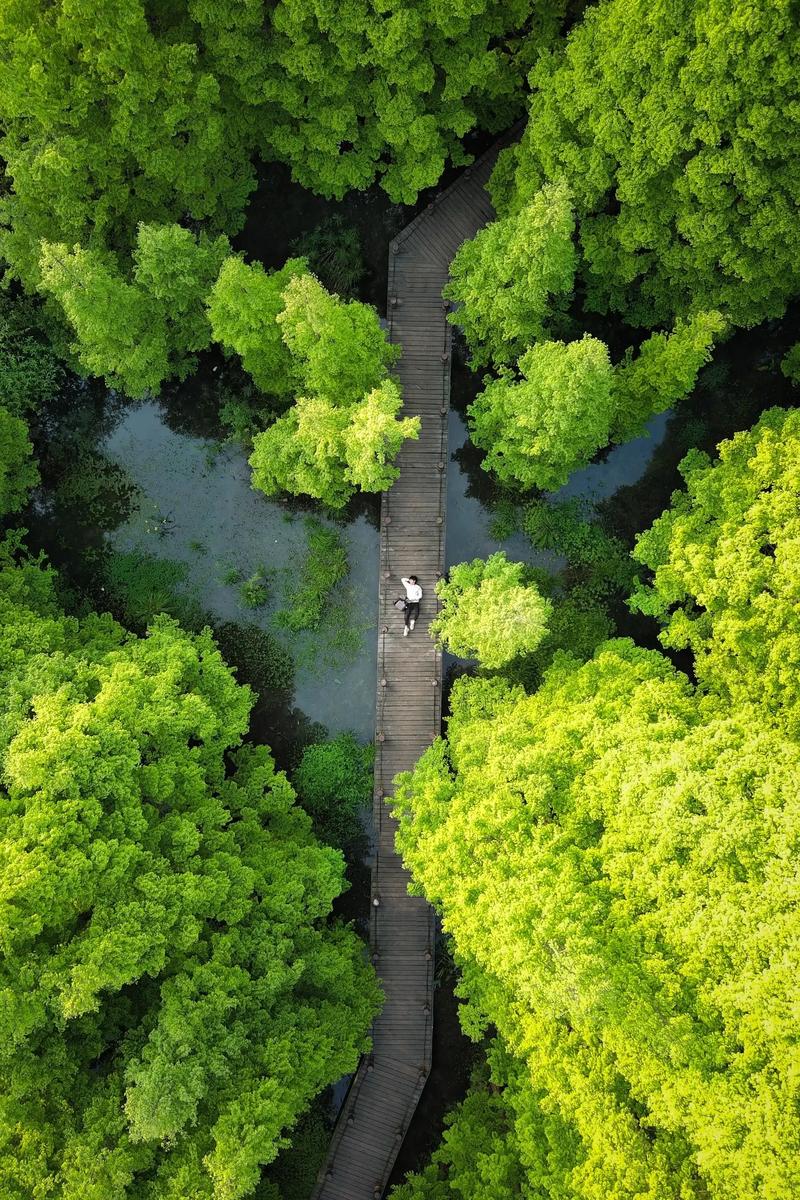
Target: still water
[(199, 509)]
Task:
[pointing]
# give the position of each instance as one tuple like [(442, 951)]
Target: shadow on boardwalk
[(388, 1084)]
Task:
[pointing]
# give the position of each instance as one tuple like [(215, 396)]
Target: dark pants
[(412, 611)]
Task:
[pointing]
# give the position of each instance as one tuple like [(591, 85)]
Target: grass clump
[(259, 659), (138, 587), (333, 252), (324, 566), (254, 593)]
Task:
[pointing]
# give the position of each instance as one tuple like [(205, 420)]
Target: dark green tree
[(18, 473)]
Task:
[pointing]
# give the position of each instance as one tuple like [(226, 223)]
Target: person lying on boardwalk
[(413, 597)]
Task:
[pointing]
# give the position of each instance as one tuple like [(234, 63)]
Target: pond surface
[(199, 509), (469, 515)]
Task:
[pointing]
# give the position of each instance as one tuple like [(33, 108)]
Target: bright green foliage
[(388, 88), (726, 564), (115, 113), (663, 372), (790, 364), (314, 582), (374, 436), (173, 992), (120, 112), (18, 473), (30, 373), (176, 270), (243, 308), (302, 453), (479, 1158), (675, 129), (137, 332), (344, 432), (507, 278), (615, 860), (338, 347), (538, 429), (489, 612), (112, 319), (333, 781), (570, 402)]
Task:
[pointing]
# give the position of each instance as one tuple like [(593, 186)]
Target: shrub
[(334, 783)]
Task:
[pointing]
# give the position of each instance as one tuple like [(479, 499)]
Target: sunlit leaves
[(137, 331), (674, 127), (537, 429), (173, 992), (726, 566), (513, 275), (243, 307), (490, 612), (344, 431)]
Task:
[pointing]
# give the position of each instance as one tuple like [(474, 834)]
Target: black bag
[(401, 605)]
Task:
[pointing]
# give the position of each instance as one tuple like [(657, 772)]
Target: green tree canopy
[(344, 431), (18, 473), (30, 372), (489, 611), (663, 371), (537, 429), (569, 402), (612, 857), (388, 89), (319, 449), (138, 331), (725, 559), (173, 991), (674, 127), (243, 308), (338, 346), (124, 111), (334, 785), (113, 114), (507, 280)]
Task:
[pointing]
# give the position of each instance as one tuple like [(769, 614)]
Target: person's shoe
[(412, 622), (405, 631)]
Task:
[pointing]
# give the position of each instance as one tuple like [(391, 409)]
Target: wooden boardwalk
[(389, 1082)]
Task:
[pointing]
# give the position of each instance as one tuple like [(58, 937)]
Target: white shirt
[(413, 591)]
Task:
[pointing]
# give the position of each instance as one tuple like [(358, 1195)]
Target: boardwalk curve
[(388, 1084)]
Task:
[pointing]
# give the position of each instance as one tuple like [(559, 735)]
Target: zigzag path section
[(386, 1088)]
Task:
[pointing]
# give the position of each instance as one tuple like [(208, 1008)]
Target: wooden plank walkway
[(388, 1084)]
